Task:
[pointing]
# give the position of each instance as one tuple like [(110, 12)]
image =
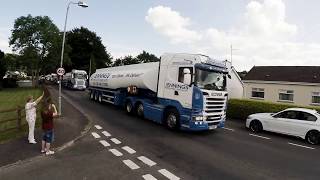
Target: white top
[(31, 111)]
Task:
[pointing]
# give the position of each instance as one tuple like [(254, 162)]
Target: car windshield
[(210, 80), (80, 76)]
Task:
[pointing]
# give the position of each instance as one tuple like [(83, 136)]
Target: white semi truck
[(182, 91), (76, 79)]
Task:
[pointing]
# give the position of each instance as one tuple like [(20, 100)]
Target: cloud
[(171, 24), (263, 37), (4, 43)]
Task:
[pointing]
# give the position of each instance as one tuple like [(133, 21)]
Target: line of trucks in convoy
[(181, 91), (76, 79)]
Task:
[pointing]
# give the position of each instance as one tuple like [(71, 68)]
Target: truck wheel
[(129, 107), (172, 119), (140, 110), (96, 94), (92, 95), (100, 98)]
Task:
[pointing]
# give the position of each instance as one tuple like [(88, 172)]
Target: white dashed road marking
[(168, 174), (128, 149), (131, 164), (115, 152), (104, 143), (97, 127), (148, 177), (115, 140), (301, 146), (259, 136), (95, 135), (228, 129), (147, 161), (106, 133)]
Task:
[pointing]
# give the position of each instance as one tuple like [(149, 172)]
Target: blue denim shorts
[(48, 136)]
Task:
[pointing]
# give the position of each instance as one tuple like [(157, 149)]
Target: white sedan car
[(300, 122)]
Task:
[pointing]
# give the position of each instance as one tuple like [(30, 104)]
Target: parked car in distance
[(299, 122)]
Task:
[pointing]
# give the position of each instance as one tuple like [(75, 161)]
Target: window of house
[(181, 74), (257, 93), (315, 98), (286, 95)]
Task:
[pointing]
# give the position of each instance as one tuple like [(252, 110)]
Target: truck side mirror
[(72, 76), (186, 76), (229, 76)]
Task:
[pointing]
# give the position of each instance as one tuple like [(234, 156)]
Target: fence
[(8, 123), (16, 120)]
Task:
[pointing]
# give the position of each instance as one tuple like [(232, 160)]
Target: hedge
[(241, 109)]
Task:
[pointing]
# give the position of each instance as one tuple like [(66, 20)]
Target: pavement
[(120, 146), (67, 128)]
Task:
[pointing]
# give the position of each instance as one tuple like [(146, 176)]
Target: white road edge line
[(149, 177), (168, 174), (129, 149), (147, 161), (259, 136), (115, 140), (228, 129), (104, 143), (131, 164), (106, 133), (301, 145), (97, 127), (95, 135), (115, 152)]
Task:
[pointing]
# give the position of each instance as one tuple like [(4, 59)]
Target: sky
[(261, 32)]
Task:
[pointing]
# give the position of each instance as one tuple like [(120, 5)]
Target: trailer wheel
[(96, 94), (91, 95), (129, 107), (172, 119), (100, 98), (139, 110)]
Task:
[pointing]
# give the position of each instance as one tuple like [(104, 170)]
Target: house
[(299, 85), (234, 85)]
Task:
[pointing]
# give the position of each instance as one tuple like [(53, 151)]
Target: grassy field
[(11, 98)]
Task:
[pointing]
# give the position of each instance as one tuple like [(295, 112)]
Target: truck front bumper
[(203, 125)]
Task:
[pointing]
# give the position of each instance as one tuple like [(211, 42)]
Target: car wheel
[(255, 126), (129, 107), (172, 119), (313, 137), (140, 110)]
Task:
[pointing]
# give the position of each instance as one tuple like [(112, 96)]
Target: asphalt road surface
[(126, 147)]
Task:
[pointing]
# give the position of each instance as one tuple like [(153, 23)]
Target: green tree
[(36, 39), (127, 60), (86, 46), (146, 57), (2, 67)]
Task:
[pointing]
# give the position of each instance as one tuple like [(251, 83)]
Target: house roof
[(308, 74)]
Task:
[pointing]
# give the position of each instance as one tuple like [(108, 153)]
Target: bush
[(241, 109)]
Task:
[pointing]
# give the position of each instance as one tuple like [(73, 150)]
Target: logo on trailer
[(177, 86)]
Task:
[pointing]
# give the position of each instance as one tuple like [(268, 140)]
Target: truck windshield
[(80, 76), (210, 80)]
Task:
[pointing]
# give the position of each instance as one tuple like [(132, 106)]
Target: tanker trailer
[(182, 91)]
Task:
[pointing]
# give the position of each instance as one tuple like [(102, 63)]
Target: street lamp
[(81, 4)]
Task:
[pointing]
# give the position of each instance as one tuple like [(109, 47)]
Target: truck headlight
[(197, 118)]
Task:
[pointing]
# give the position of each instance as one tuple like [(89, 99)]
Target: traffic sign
[(60, 71)]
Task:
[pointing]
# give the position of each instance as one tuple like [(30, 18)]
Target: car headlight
[(249, 117)]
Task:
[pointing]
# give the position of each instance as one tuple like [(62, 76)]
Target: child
[(48, 112)]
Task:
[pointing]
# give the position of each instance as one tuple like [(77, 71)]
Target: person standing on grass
[(31, 115), (48, 112)]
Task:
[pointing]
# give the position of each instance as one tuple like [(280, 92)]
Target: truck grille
[(80, 83), (214, 109)]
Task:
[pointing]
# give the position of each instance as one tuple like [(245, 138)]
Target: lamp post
[(81, 4)]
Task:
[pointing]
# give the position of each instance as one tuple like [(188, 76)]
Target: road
[(126, 147)]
